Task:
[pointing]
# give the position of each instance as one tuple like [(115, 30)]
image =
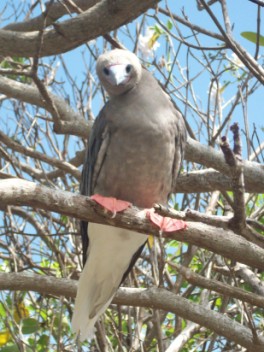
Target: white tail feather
[(109, 254)]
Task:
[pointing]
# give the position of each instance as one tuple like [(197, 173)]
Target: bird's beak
[(118, 74)]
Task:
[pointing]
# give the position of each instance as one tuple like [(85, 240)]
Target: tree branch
[(63, 165), (243, 54), (233, 159), (54, 10), (71, 121), (225, 289), (218, 240), (209, 180), (156, 298), (69, 34), (209, 157), (179, 342)]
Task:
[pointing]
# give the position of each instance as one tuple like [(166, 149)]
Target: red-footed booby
[(134, 154)]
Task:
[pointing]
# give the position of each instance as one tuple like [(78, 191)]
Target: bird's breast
[(138, 165)]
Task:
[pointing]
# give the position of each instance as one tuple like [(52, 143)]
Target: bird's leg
[(165, 224), (110, 203)]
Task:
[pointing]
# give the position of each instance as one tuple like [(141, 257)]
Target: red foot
[(165, 223), (112, 204)]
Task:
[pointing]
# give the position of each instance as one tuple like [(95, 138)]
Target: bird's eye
[(128, 68), (106, 71)]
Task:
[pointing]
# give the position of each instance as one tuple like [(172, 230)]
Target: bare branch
[(63, 165), (258, 2), (218, 240), (218, 286), (191, 25), (179, 342), (153, 297), (199, 153), (67, 35), (209, 180), (233, 159), (243, 55), (54, 10)]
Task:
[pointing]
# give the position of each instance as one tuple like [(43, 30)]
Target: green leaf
[(2, 310), (64, 219), (218, 302), (252, 37), (43, 314), (30, 326), (169, 25), (43, 340), (10, 348), (158, 31), (170, 316)]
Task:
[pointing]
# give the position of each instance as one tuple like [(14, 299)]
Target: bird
[(135, 151)]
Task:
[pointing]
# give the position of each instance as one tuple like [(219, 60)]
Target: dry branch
[(156, 298), (218, 240), (71, 121), (233, 159), (63, 165), (217, 286), (209, 157), (209, 180), (54, 11), (69, 34)]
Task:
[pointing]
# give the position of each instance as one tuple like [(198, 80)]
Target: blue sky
[(242, 14)]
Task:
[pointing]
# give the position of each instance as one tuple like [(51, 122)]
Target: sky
[(242, 15)]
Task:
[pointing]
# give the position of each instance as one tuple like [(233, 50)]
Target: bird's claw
[(110, 203), (165, 224)]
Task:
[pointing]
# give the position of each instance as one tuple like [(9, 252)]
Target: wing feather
[(180, 142), (94, 157)]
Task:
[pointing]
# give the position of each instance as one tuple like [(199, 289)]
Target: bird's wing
[(133, 261), (95, 153), (180, 142)]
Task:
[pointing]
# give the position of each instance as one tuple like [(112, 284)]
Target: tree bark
[(216, 239), (156, 298), (69, 34)]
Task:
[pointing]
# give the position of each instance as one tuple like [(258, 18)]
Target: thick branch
[(251, 278), (209, 157), (156, 298), (209, 180), (69, 34), (218, 240), (54, 11)]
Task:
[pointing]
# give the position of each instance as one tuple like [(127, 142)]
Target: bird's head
[(118, 70)]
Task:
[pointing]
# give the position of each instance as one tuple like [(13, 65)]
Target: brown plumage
[(134, 154)]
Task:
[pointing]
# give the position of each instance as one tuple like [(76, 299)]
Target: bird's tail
[(85, 314), (109, 255)]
